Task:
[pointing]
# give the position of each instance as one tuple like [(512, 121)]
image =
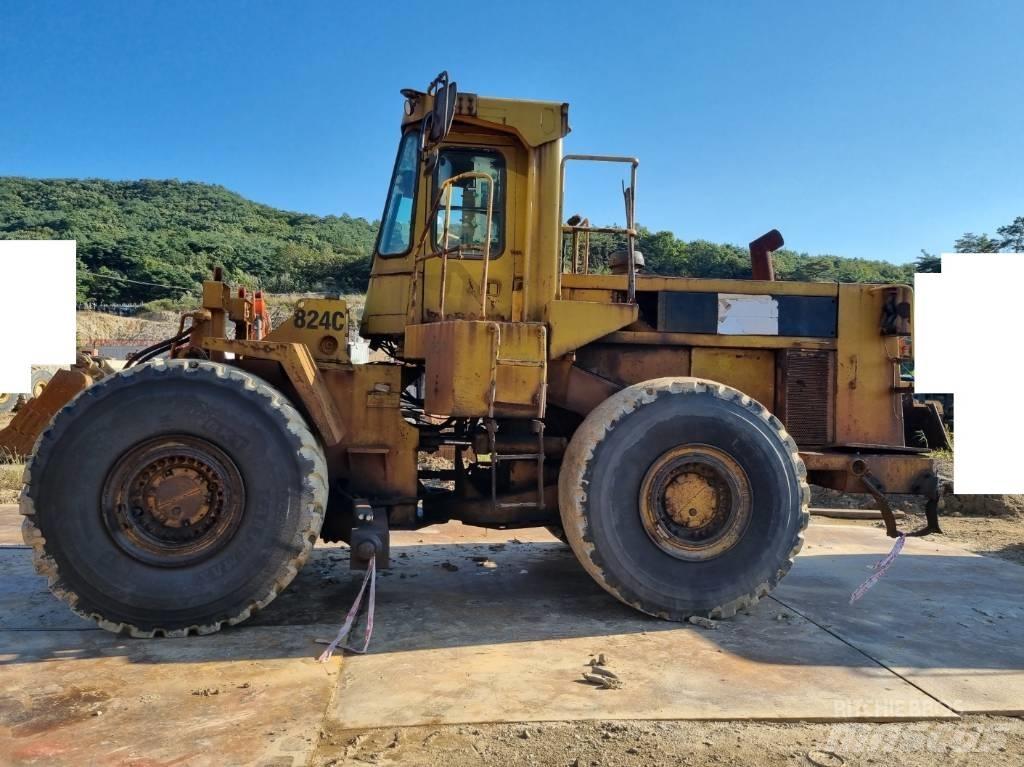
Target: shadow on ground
[(953, 610)]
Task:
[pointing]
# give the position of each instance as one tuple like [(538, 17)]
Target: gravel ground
[(994, 741)]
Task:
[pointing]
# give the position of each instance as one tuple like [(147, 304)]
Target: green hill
[(173, 233)]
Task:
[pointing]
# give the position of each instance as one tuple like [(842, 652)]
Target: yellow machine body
[(665, 427), (476, 314)]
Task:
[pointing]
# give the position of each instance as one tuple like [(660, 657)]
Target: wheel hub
[(173, 500), (695, 502)]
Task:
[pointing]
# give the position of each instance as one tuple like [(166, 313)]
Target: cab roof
[(536, 122)]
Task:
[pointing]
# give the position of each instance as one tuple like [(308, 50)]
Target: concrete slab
[(949, 621), (10, 525), (88, 697), (477, 626), (25, 602), (506, 639)]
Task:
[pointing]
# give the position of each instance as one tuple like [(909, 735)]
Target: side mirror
[(439, 121)]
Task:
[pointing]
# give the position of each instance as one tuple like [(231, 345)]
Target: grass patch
[(10, 482)]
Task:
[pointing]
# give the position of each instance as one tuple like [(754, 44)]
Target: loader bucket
[(19, 436)]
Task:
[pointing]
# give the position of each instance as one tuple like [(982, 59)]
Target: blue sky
[(867, 129)]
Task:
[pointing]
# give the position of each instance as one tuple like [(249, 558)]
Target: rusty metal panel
[(576, 389), (628, 364), (19, 437), (806, 402), (651, 338), (895, 472), (752, 371), (461, 360)]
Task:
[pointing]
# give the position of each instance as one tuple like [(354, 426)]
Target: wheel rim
[(4, 399), (173, 501), (695, 502), (37, 389)]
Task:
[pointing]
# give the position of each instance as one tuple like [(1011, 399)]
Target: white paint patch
[(740, 314)]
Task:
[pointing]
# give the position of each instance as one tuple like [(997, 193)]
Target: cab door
[(503, 160)]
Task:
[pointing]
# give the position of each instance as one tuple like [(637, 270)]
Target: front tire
[(173, 498), (684, 497)]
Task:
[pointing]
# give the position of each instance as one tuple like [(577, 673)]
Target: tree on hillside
[(928, 263), (1012, 236), (976, 243), (145, 240)]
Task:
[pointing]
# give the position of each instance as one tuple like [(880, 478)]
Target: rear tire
[(684, 497), (173, 498)]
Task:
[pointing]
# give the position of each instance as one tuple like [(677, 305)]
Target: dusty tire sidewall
[(612, 537), (74, 459)]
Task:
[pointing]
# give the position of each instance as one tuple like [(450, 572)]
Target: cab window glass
[(396, 226), (467, 226)]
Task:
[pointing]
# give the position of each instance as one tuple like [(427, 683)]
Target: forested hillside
[(172, 233)]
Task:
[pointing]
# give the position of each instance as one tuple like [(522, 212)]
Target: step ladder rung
[(520, 505), (519, 456), (520, 363)]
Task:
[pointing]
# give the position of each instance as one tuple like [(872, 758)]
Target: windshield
[(396, 227)]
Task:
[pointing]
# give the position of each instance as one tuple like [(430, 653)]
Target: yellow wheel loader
[(670, 426)]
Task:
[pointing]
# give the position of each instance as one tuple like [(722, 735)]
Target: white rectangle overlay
[(37, 308)]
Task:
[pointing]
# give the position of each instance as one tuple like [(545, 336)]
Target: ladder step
[(519, 456), (521, 363), (520, 505)]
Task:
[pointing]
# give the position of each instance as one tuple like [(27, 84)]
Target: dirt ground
[(981, 740), (94, 327)]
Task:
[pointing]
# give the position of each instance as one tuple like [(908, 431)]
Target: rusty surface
[(665, 338), (173, 501), (575, 389), (19, 436), (463, 358), (627, 364), (895, 472), (761, 254)]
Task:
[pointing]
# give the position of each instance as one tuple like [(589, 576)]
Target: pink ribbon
[(880, 567), (371, 578)]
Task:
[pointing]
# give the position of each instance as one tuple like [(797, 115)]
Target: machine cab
[(470, 206)]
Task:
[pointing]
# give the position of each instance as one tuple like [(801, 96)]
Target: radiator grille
[(808, 394)]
